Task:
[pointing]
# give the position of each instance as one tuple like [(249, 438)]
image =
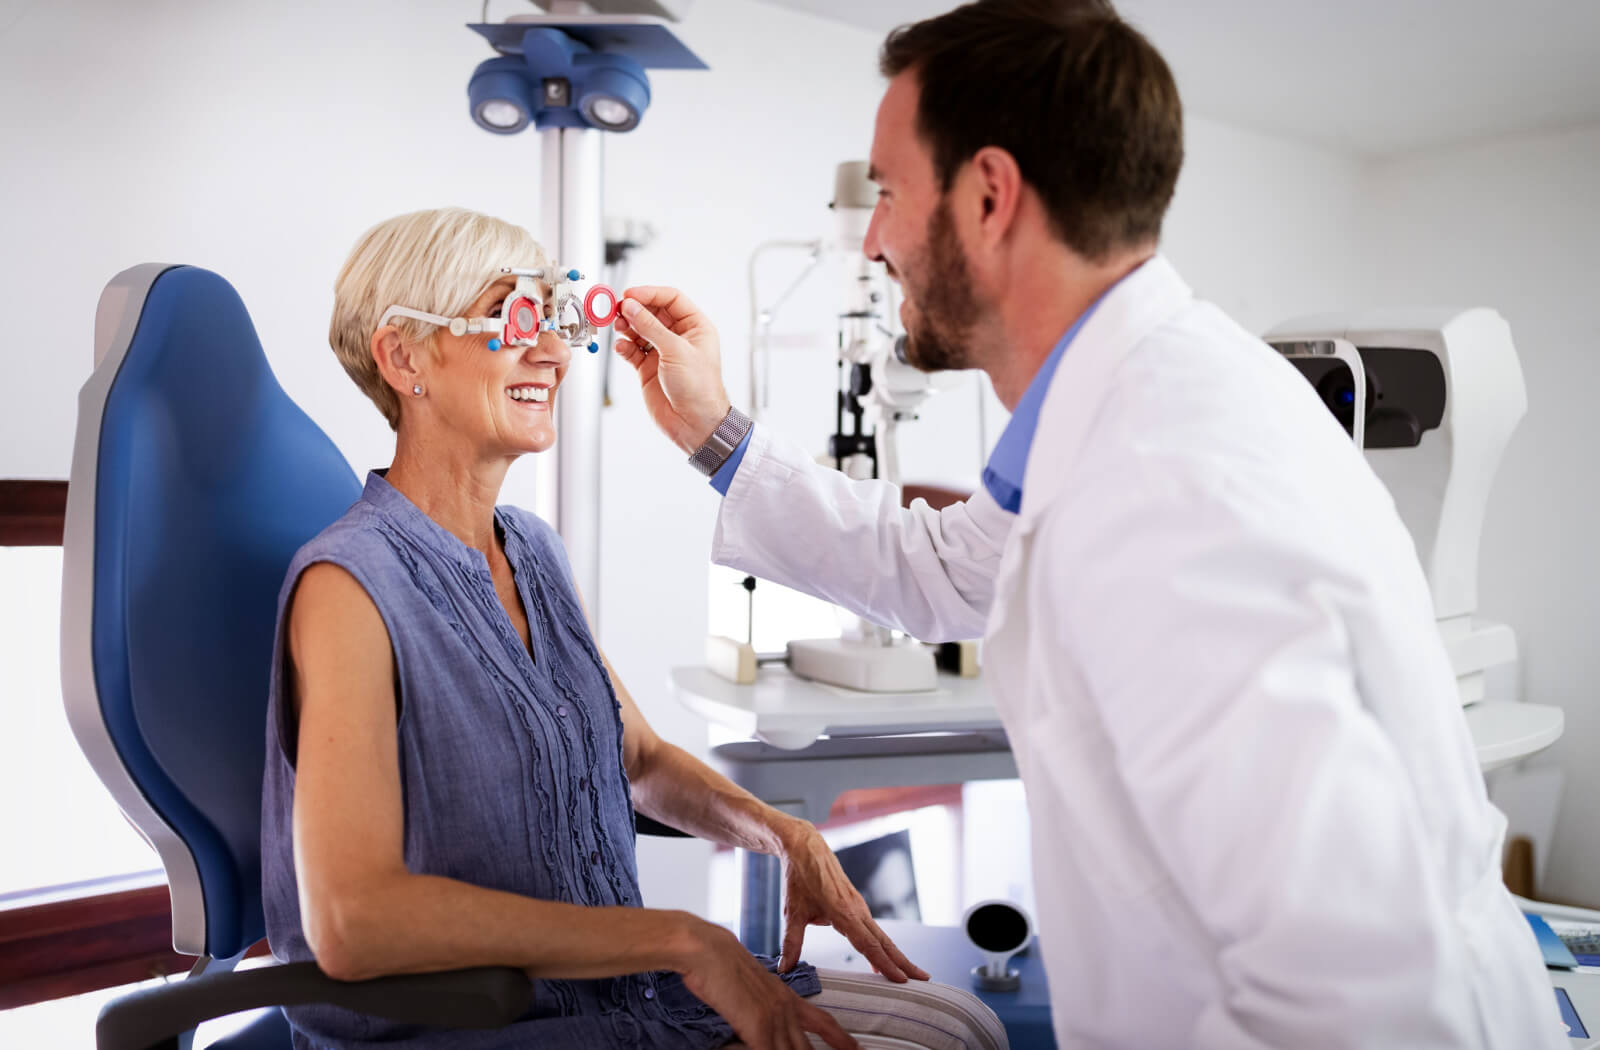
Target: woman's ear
[(398, 363)]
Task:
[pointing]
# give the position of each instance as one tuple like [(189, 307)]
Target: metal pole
[(568, 494)]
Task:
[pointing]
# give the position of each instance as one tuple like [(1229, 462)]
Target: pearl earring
[(417, 390)]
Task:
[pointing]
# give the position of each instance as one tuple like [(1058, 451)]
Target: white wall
[(1514, 224), (260, 141), (1264, 227)]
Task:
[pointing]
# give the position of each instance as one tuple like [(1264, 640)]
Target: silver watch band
[(710, 457)]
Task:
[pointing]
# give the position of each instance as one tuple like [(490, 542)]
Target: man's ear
[(996, 181), (398, 363)]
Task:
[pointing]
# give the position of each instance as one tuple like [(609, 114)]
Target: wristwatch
[(710, 457)]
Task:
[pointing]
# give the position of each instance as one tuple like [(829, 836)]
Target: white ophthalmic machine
[(1431, 397)]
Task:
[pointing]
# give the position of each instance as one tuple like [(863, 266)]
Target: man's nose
[(872, 245)]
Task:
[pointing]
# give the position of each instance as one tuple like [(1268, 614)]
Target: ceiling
[(1372, 77)]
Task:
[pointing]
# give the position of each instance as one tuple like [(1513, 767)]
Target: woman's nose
[(550, 348)]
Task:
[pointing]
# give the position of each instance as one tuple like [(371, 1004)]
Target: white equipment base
[(869, 668), (790, 712)]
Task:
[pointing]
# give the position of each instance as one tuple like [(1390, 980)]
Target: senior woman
[(453, 765)]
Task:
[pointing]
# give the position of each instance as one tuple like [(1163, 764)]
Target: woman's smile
[(534, 396)]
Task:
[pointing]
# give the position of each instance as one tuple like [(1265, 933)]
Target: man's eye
[(495, 310)]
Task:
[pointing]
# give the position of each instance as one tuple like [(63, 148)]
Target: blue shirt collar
[(1008, 463)]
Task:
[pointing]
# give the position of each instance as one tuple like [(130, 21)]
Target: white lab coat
[(1257, 816)]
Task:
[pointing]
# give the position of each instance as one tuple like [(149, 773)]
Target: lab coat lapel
[(1146, 298)]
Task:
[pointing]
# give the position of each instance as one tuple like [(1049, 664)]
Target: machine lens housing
[(609, 113), (501, 114), (499, 97), (615, 93)]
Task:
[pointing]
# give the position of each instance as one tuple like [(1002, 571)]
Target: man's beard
[(944, 304)]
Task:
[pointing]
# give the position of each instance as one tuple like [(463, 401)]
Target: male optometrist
[(1257, 816)]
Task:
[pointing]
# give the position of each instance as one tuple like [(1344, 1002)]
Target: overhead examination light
[(580, 72)]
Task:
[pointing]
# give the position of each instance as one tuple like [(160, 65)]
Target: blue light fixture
[(555, 80), (501, 97), (615, 93)]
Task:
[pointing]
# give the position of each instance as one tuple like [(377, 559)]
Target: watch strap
[(710, 457)]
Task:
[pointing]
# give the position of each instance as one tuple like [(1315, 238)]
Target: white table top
[(787, 711), (790, 712)]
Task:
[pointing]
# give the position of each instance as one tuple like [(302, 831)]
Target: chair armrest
[(482, 997)]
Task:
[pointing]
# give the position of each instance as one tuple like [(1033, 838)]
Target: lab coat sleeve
[(1217, 661), (800, 524)]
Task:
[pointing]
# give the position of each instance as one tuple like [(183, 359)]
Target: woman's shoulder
[(353, 534), (356, 542)]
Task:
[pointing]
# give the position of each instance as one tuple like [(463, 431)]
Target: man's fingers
[(660, 300), (641, 360), (642, 320)]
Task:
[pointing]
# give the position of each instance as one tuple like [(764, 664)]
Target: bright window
[(57, 821)]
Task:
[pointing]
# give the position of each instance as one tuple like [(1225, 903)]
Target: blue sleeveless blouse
[(510, 769)]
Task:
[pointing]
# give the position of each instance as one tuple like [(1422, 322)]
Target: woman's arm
[(364, 913), (676, 788)]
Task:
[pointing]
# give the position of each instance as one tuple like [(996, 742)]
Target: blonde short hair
[(437, 261)]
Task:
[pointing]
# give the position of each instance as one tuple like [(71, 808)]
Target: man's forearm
[(790, 521), (678, 789)]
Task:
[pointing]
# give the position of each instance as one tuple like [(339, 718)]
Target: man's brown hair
[(1081, 100)]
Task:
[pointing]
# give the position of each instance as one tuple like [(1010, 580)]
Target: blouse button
[(562, 710), (583, 783), (649, 993), (594, 857)]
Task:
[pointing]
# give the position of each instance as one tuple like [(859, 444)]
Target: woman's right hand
[(675, 349), (764, 1013)]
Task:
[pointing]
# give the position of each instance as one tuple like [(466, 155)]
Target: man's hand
[(818, 893), (763, 1011), (675, 349)]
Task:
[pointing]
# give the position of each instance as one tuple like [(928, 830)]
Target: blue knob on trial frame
[(574, 275), (594, 348), (494, 344)]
